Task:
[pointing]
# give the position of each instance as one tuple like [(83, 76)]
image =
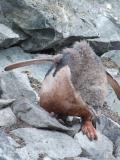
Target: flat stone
[(54, 144), (114, 56)]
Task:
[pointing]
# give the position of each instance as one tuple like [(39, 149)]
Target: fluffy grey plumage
[(89, 75)]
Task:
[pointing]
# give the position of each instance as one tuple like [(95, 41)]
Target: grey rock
[(81, 158), (114, 56), (23, 153), (78, 158), (109, 35), (7, 150), (6, 102), (111, 98), (109, 128), (96, 149), (117, 148), (14, 54), (36, 116), (29, 156), (47, 158), (51, 24), (7, 117), (7, 36), (54, 144)]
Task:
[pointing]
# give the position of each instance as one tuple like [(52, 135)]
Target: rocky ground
[(30, 29)]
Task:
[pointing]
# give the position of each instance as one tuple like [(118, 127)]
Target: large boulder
[(51, 24), (55, 144)]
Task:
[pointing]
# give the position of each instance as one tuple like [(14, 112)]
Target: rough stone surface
[(114, 56), (117, 148), (13, 54), (7, 117), (96, 149), (6, 102), (109, 128), (55, 144), (7, 37), (78, 158), (111, 98), (47, 24), (7, 150)]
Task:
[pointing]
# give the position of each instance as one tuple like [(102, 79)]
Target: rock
[(7, 36), (27, 156), (51, 24), (117, 148), (7, 150), (78, 158), (111, 98), (96, 149), (111, 61), (81, 158), (6, 102), (38, 117), (109, 35), (109, 128), (114, 56), (14, 54), (7, 117), (54, 144), (47, 158), (23, 153)]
